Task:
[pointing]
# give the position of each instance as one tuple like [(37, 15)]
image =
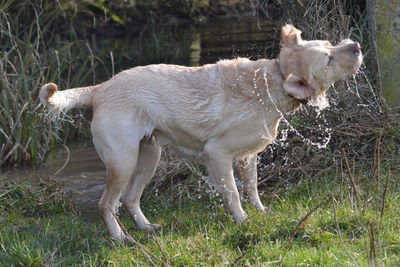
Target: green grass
[(196, 231), (36, 48)]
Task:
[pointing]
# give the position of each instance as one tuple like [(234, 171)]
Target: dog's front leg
[(247, 170), (220, 171)]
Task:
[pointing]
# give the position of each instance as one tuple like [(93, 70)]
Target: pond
[(189, 45), (84, 173)]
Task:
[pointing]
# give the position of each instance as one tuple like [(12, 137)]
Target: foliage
[(31, 54)]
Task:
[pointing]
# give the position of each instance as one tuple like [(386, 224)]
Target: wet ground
[(83, 175)]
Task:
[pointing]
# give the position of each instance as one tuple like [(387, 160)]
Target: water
[(238, 38), (188, 45), (84, 173)]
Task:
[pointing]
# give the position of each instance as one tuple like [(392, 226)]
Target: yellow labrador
[(223, 113)]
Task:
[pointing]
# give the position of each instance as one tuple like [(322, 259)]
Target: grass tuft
[(32, 53), (33, 200)]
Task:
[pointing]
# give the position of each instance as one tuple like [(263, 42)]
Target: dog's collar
[(279, 69), (301, 101)]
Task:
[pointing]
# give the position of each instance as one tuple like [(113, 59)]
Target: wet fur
[(222, 113)]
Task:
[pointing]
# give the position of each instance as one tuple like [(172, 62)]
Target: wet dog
[(223, 113)]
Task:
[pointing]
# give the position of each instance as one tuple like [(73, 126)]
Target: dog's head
[(311, 67)]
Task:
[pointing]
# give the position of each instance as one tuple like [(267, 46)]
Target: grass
[(341, 217), (34, 51), (315, 222)]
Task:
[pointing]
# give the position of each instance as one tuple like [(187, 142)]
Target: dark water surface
[(84, 173)]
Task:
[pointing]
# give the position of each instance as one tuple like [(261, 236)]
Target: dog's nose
[(356, 47)]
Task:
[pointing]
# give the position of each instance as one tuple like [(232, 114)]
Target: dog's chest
[(254, 140), (253, 148)]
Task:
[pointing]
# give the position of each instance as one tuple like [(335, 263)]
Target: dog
[(223, 113)]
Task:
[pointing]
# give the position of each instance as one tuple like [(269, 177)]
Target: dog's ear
[(290, 35), (300, 87)]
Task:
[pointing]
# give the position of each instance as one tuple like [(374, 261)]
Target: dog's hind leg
[(247, 169), (117, 143), (149, 156)]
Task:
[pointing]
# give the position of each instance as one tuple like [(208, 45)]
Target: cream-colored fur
[(222, 113)]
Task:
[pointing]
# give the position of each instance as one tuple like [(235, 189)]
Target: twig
[(139, 245), (66, 161), (340, 233), (372, 247), (291, 238), (384, 198), (160, 248), (382, 211), (240, 258), (377, 158), (303, 220), (351, 173)]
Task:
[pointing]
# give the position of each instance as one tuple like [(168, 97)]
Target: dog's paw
[(150, 227), (261, 208), (240, 217), (153, 226), (123, 238)]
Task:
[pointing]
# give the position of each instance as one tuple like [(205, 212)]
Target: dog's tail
[(62, 101)]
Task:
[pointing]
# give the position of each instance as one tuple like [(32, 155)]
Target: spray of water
[(320, 145)]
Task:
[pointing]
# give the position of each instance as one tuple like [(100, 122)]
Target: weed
[(33, 200), (30, 55)]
